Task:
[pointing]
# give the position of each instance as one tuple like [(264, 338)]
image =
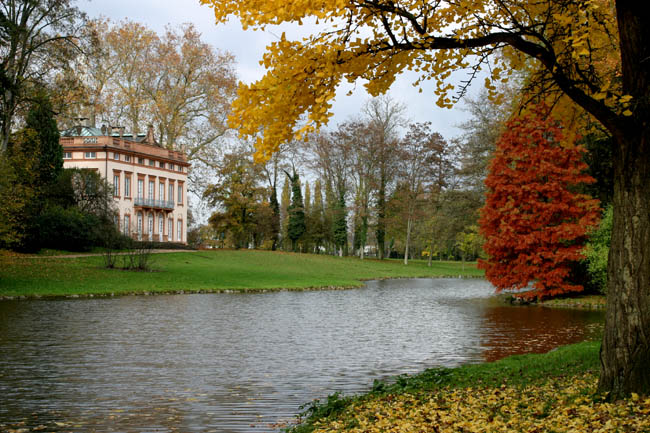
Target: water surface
[(246, 362)]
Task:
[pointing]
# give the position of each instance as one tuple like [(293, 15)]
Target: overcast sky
[(248, 47)]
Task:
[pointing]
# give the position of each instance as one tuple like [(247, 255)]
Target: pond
[(246, 362)]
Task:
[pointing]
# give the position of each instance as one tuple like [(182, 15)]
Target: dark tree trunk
[(381, 223), (625, 353)]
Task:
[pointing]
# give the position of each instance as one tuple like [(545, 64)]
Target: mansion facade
[(149, 182)]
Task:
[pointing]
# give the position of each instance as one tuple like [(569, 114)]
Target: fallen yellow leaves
[(561, 405)]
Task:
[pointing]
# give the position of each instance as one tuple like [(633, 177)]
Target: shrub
[(68, 229), (597, 251)]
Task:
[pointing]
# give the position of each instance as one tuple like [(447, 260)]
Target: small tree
[(533, 223)]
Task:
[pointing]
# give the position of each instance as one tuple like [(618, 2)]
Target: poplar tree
[(340, 226), (296, 226), (317, 219), (284, 214)]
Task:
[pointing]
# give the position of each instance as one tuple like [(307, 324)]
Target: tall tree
[(385, 115), (422, 168), (340, 225), (296, 227), (317, 218), (534, 224), (567, 40), (307, 236), (284, 214), (40, 119), (29, 32)]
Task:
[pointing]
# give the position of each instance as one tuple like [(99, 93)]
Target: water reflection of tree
[(517, 330)]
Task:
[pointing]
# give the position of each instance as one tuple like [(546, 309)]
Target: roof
[(82, 131), (91, 131)]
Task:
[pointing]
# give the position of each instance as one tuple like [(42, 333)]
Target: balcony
[(155, 204)]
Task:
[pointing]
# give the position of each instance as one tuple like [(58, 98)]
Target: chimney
[(150, 138)]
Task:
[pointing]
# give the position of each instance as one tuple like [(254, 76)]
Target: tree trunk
[(408, 240), (625, 353), (430, 253), (381, 215)]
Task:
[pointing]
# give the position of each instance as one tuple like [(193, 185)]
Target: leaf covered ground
[(561, 404)]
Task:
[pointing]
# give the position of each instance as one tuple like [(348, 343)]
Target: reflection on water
[(243, 362)]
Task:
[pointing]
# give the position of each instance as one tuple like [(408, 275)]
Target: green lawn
[(207, 271)]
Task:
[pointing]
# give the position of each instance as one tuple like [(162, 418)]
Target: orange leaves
[(533, 221)]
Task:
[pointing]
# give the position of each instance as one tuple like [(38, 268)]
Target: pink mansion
[(149, 181)]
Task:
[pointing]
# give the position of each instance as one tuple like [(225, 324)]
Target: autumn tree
[(566, 39), (243, 210), (31, 32), (422, 169), (533, 223), (384, 116)]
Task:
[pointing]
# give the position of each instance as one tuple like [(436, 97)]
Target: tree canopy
[(376, 40)]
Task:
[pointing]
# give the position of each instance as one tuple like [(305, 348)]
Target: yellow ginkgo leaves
[(561, 405)]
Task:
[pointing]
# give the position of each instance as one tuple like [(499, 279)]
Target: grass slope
[(552, 392), (206, 271)]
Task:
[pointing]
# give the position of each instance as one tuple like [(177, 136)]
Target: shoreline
[(216, 290)]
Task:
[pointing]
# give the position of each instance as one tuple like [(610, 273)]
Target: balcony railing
[(159, 204)]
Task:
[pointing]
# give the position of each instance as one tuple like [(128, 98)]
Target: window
[(90, 155), (140, 187), (171, 166), (170, 230), (151, 185), (127, 158), (180, 193), (161, 191), (141, 161), (116, 156), (139, 226), (127, 220), (67, 155), (161, 164), (170, 196), (127, 186), (152, 162), (116, 185), (116, 220), (179, 230)]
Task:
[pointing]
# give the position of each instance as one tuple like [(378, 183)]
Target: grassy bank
[(206, 271), (553, 392)]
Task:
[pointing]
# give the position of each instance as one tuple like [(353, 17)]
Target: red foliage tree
[(533, 221)]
